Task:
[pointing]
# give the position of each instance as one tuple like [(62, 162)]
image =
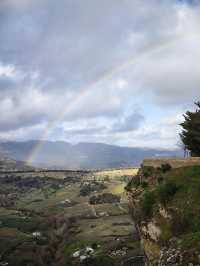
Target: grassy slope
[(187, 201), (179, 193)]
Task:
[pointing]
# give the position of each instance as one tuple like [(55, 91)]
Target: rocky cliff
[(165, 203)]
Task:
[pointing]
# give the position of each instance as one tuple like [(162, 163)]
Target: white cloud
[(49, 60), (10, 72)]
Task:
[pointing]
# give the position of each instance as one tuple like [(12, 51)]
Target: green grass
[(23, 224), (187, 198), (10, 238), (118, 189), (191, 240), (147, 203), (99, 261), (166, 191), (73, 247), (112, 209), (102, 228), (179, 192), (98, 258), (38, 200), (166, 233)]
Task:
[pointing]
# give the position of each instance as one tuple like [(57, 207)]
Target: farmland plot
[(56, 225)]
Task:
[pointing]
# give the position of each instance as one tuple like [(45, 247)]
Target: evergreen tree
[(191, 131)]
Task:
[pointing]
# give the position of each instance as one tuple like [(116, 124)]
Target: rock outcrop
[(156, 198)]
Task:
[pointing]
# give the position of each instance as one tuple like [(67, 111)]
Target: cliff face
[(165, 203)]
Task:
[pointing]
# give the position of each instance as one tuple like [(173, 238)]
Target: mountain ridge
[(61, 154)]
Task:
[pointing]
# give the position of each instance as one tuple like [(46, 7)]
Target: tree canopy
[(190, 135)]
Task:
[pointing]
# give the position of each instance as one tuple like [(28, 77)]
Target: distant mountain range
[(9, 164), (60, 154)]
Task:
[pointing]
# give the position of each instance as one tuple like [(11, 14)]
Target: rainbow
[(106, 76)]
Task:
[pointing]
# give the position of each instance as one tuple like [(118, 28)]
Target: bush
[(98, 261), (166, 233), (135, 182), (71, 248), (144, 184), (87, 189), (147, 171), (104, 198), (147, 203), (191, 219), (191, 240), (179, 224), (166, 192), (166, 167), (160, 179), (24, 225)]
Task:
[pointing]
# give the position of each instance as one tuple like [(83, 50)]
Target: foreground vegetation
[(170, 200)]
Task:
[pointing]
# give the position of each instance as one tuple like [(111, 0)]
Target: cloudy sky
[(119, 71)]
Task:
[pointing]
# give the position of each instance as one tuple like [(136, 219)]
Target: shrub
[(147, 171), (71, 248), (166, 233), (167, 191), (179, 224), (135, 182), (87, 189), (160, 179), (191, 240), (98, 261), (104, 198), (191, 218), (144, 184), (147, 203), (25, 225), (166, 167)]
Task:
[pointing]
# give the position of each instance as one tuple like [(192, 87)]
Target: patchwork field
[(47, 221), (116, 173)]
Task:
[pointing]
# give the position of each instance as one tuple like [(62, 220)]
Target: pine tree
[(190, 135)]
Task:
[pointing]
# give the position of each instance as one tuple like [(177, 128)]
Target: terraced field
[(51, 222)]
